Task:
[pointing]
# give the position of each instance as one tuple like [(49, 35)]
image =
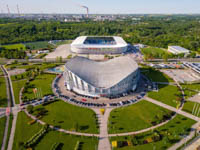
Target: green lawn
[(37, 45), (169, 133), (3, 94), (189, 105), (68, 141), (43, 84), (155, 75), (190, 89), (155, 52), (15, 46), (24, 132), (69, 117), (2, 128), (136, 117), (167, 94), (17, 85)]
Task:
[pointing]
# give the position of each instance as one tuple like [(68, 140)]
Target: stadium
[(101, 79), (99, 45)]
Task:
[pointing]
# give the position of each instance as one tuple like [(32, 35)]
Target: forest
[(156, 32)]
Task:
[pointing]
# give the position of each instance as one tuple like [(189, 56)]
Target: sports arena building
[(101, 79), (99, 45)]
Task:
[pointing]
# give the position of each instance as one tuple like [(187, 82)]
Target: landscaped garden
[(160, 138), (3, 94), (167, 94), (42, 83), (32, 133), (67, 116), (136, 117), (2, 128)]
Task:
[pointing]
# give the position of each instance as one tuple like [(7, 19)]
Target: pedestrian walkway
[(187, 138), (104, 143), (172, 108)]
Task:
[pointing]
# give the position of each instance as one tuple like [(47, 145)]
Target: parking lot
[(71, 97), (182, 75)]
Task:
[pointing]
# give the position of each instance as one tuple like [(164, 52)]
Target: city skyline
[(102, 7)]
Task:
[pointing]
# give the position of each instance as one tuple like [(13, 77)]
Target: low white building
[(178, 50), (42, 51)]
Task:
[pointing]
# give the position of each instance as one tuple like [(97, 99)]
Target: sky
[(103, 6)]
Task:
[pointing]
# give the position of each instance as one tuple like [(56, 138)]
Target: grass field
[(188, 107), (167, 94), (42, 83), (2, 128), (155, 75), (69, 117), (37, 45), (17, 85), (25, 132), (68, 141), (190, 89), (155, 52), (15, 46), (135, 117), (169, 133), (3, 94)]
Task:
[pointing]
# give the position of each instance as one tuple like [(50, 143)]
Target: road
[(11, 101), (9, 105)]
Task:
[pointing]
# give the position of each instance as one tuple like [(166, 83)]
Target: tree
[(165, 57), (29, 108)]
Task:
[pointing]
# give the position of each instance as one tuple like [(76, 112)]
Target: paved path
[(104, 143), (61, 130), (12, 103), (9, 104), (172, 108), (193, 145), (187, 138)]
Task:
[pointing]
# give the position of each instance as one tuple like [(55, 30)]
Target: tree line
[(153, 32)]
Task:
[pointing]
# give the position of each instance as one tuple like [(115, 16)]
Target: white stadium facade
[(101, 79), (99, 45)]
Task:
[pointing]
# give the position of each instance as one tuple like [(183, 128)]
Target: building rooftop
[(179, 48), (102, 74), (115, 41)]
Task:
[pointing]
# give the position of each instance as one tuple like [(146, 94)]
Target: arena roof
[(102, 74), (79, 42)]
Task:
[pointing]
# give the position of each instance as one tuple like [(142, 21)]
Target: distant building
[(42, 51), (178, 50)]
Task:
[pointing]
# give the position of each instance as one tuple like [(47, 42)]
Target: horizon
[(96, 7)]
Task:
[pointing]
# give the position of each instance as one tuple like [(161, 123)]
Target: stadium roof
[(102, 74), (79, 42)]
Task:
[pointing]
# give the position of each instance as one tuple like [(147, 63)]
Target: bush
[(55, 146), (30, 109), (35, 139)]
